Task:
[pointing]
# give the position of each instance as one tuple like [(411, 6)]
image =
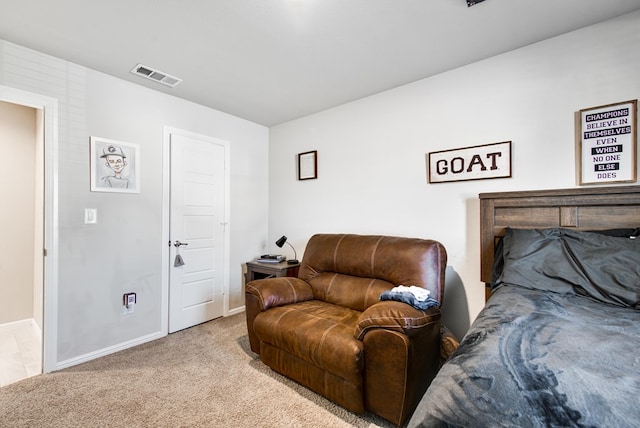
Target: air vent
[(155, 75)]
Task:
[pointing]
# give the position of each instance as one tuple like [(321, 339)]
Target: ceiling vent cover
[(155, 75)]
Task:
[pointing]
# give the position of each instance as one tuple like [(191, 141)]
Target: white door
[(197, 210)]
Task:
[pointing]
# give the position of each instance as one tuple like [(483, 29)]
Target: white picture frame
[(115, 166), (606, 138)]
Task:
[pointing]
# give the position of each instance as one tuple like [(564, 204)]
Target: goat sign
[(470, 163)]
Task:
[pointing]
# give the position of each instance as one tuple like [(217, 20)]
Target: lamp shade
[(280, 242)]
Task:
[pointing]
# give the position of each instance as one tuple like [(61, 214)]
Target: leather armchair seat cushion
[(320, 333)]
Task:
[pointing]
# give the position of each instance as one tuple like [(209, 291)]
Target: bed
[(558, 341)]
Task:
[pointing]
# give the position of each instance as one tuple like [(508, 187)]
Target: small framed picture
[(115, 166), (308, 165), (606, 139)]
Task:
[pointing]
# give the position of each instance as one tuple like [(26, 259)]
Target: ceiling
[(271, 61)]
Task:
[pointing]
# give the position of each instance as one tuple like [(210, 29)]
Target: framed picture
[(115, 166), (470, 163), (607, 141), (308, 165)]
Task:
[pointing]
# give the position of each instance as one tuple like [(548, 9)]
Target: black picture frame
[(308, 165)]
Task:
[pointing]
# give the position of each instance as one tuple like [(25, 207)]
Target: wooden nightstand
[(258, 270)]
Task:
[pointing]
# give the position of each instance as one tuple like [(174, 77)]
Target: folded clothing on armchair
[(417, 297)]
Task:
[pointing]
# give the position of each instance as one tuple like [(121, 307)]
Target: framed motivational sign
[(607, 143)]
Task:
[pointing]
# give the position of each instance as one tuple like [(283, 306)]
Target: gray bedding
[(558, 343)]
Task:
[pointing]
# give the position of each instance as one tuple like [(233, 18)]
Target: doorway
[(21, 261), (196, 259), (28, 123)]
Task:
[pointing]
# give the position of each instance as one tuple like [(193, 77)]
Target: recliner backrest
[(353, 270)]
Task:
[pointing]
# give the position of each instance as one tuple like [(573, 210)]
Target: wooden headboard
[(582, 208)]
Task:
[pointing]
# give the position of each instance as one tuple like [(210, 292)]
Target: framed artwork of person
[(115, 166)]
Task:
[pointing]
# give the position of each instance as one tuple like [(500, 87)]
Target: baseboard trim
[(116, 348), (29, 322), (235, 311), (110, 350)]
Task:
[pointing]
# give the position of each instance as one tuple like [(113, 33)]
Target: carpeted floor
[(205, 376)]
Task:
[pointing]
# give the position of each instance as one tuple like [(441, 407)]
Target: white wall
[(122, 252), (17, 211), (371, 153)]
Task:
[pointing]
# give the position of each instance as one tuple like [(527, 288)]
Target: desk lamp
[(280, 242)]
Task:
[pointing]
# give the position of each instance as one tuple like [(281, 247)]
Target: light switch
[(90, 216)]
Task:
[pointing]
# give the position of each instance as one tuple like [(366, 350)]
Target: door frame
[(49, 108), (166, 209)]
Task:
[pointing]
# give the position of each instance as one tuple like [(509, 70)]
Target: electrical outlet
[(129, 302)]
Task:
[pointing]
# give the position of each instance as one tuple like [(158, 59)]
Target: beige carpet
[(205, 376)]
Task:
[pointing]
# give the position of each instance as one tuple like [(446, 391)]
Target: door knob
[(179, 244)]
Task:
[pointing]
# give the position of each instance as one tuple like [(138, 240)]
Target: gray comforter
[(537, 358)]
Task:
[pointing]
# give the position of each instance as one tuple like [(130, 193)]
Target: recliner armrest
[(402, 353), (281, 291), (396, 316)]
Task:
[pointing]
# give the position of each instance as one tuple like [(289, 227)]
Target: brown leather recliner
[(328, 330)]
